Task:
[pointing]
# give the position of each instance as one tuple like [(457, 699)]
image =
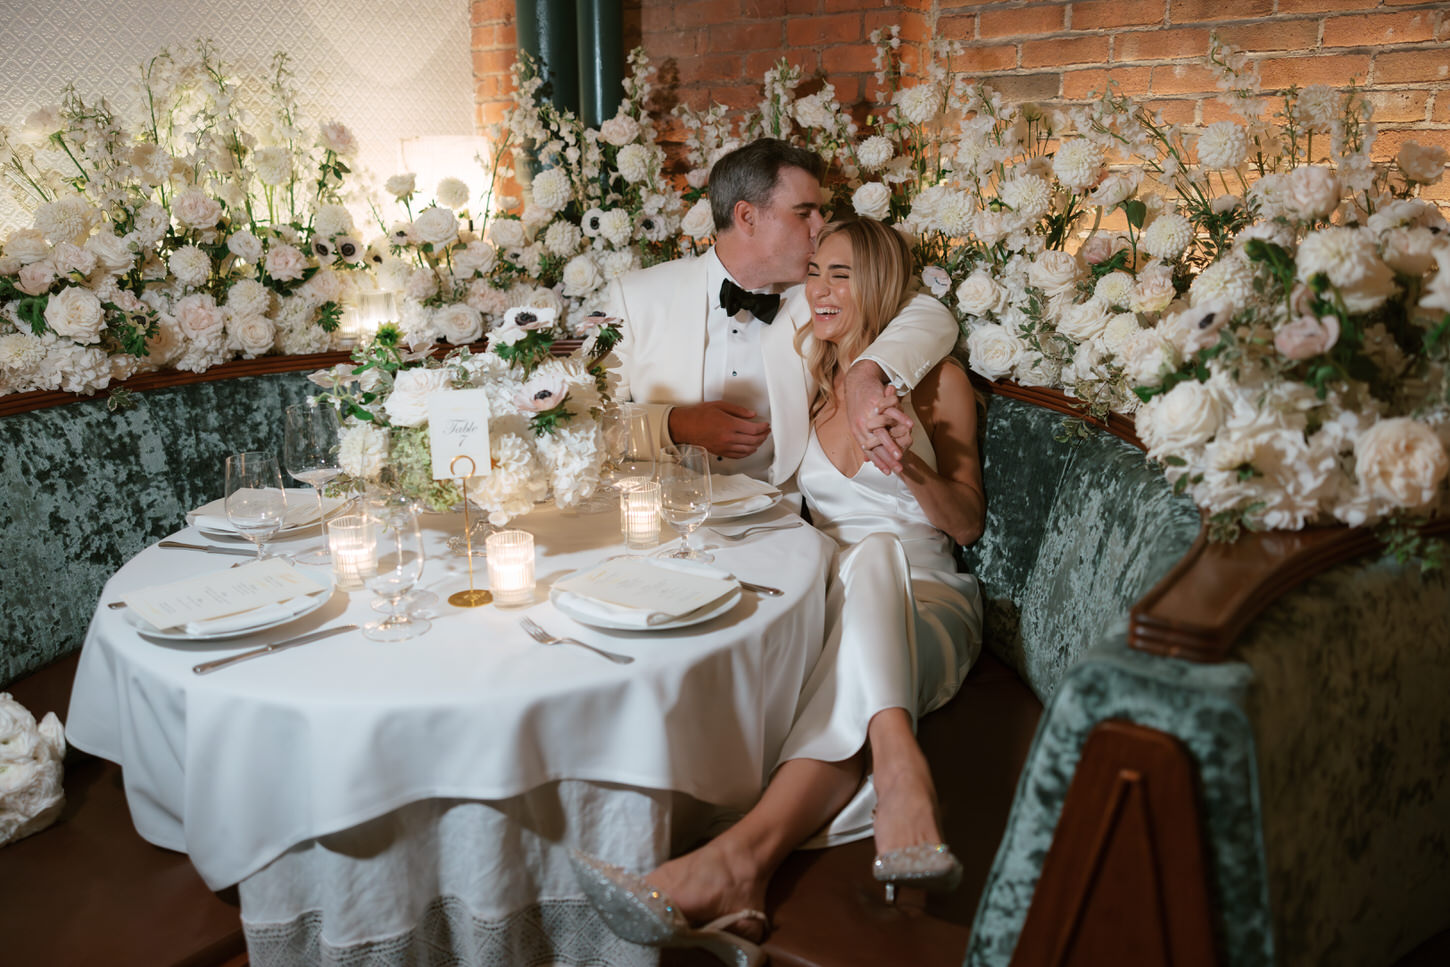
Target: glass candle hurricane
[(642, 516), (511, 567), (354, 550)]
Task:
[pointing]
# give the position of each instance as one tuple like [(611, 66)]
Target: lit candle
[(511, 567), (642, 516), (354, 550)]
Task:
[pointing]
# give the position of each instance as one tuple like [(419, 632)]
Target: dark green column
[(546, 29), (601, 59)]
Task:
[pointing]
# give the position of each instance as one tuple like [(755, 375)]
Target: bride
[(903, 629)]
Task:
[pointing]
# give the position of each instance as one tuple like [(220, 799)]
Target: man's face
[(786, 228)]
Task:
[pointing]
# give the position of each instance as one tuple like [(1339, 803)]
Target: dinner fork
[(544, 638), (758, 528)]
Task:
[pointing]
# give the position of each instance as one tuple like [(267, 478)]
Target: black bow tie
[(762, 305)]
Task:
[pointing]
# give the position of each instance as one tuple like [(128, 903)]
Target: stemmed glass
[(685, 494), (399, 546), (256, 503), (309, 451)]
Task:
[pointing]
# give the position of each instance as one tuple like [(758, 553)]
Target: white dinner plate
[(744, 508), (175, 634), (698, 616), (296, 496)]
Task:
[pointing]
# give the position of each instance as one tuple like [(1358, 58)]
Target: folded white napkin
[(735, 487), (301, 511), (243, 620), (740, 508), (584, 607)]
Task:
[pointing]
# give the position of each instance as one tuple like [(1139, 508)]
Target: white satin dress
[(903, 625)]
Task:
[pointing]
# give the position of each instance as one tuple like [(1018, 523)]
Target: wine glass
[(399, 565), (256, 503), (383, 504), (309, 452), (685, 494)]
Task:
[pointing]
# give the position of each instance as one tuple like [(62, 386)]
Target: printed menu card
[(645, 585), (230, 591)]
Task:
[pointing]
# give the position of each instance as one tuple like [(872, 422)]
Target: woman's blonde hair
[(881, 267)]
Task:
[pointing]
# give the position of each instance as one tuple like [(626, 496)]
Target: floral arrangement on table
[(544, 413), (187, 235), (596, 204)]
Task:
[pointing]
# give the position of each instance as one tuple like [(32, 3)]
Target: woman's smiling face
[(834, 312)]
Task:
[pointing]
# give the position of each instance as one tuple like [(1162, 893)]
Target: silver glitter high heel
[(641, 914), (929, 866)]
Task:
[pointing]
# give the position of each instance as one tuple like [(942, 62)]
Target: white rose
[(581, 276), (363, 451), (335, 137), (253, 334), (458, 323), (28, 245), (1402, 461), (1084, 321), (194, 208), (979, 294), (993, 351), (285, 263), (401, 186), (699, 222), (872, 200), (1186, 416), (436, 226), (477, 257), (111, 251), (76, 314), (1153, 292), (246, 246), (1424, 163), (199, 316), (506, 233), (452, 193), (619, 130), (407, 404), (1315, 191), (1054, 273)]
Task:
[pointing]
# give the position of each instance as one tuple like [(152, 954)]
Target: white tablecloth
[(276, 755)]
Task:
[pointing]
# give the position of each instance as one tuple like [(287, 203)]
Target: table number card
[(458, 427)]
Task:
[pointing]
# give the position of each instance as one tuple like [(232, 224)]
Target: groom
[(708, 342)]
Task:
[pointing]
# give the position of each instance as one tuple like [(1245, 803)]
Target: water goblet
[(685, 494), (255, 501), (399, 566), (310, 454), (635, 456)]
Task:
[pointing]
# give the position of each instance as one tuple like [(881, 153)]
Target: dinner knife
[(211, 666), (761, 589), (209, 548)]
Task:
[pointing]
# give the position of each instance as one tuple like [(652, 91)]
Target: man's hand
[(875, 418), (724, 429)]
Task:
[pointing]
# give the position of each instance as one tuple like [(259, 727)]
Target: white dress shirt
[(734, 368)]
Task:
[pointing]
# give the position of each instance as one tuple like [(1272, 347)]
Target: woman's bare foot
[(712, 881), (905, 794)]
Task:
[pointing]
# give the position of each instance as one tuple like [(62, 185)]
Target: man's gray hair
[(750, 173)]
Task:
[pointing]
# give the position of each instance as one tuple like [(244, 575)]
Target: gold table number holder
[(473, 597)]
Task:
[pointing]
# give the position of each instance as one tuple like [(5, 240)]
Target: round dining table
[(415, 801)]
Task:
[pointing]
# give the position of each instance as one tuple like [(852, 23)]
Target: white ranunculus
[(699, 222), (407, 404), (1054, 273), (458, 323), (402, 185), (436, 226), (993, 351), (194, 208), (72, 260), (1315, 191), (452, 193), (872, 200), (363, 450), (1114, 189), (1401, 461), (581, 276), (1153, 292), (476, 257), (1423, 163), (252, 334), (1186, 416), (76, 313), (980, 294), (1307, 336)]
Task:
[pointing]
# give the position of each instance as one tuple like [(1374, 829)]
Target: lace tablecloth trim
[(564, 932)]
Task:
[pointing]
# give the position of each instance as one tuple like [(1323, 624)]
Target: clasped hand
[(878, 423), (725, 429)]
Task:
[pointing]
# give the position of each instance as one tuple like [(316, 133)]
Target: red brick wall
[(718, 50)]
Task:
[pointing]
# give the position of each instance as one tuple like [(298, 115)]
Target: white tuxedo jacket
[(661, 359)]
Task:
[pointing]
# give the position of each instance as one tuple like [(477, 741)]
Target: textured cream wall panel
[(389, 69)]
